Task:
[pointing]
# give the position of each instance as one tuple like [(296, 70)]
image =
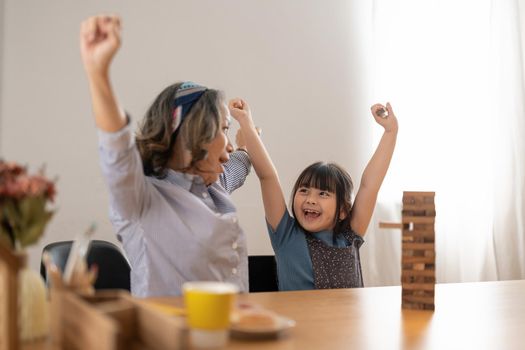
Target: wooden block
[(422, 206), (84, 327), (428, 194), (419, 300), (418, 220), (391, 225), (413, 253), (124, 313), (429, 213), (417, 259), (418, 246), (417, 252), (418, 286), (423, 227), (424, 273), (406, 252), (417, 279), (417, 306), (418, 198), (427, 232), (418, 293), (412, 306), (428, 200), (418, 266), (160, 331), (431, 253), (411, 239)]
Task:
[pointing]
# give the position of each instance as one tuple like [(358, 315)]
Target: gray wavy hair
[(155, 139)]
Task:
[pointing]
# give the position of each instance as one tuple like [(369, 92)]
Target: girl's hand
[(390, 122), (240, 110), (99, 41)]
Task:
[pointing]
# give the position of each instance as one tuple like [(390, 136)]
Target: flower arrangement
[(23, 205)]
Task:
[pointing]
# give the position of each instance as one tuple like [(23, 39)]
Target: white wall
[(2, 26), (521, 14), (297, 62)]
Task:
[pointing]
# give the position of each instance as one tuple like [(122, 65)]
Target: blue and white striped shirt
[(175, 229)]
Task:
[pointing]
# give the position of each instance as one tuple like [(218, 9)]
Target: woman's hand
[(390, 121), (99, 41)]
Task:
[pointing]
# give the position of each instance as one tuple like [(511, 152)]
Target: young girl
[(174, 219), (318, 247)]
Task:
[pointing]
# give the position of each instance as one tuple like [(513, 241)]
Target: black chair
[(262, 272), (113, 268)]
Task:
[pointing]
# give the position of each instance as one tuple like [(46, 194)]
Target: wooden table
[(484, 315)]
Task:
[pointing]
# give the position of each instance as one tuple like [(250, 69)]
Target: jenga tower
[(418, 272)]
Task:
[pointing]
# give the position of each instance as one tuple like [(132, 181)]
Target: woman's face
[(219, 150)]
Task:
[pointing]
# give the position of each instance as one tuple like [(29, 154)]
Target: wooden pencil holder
[(111, 320), (10, 265)]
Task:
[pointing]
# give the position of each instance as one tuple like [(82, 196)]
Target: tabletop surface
[(481, 315)]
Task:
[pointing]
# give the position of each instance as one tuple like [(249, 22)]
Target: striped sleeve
[(235, 171)]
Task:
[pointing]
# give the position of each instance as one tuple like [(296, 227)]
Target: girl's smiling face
[(322, 198), (314, 208)]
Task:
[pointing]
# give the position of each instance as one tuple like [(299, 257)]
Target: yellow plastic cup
[(209, 306)]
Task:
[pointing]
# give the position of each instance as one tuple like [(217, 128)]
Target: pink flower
[(16, 183), (23, 198)]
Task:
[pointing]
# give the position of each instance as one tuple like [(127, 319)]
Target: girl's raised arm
[(99, 42), (375, 171), (272, 193)]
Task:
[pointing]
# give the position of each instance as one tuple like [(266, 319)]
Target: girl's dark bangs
[(320, 177)]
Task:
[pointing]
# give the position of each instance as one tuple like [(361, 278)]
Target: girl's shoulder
[(353, 237)]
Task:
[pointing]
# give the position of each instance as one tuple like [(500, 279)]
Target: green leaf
[(33, 233), (28, 219), (11, 215)]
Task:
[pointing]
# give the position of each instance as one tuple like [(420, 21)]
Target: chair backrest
[(113, 268), (262, 272)]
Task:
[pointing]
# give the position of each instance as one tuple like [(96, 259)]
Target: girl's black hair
[(332, 178)]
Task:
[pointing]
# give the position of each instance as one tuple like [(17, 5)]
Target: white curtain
[(453, 71)]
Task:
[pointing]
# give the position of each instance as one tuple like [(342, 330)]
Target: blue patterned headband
[(185, 97)]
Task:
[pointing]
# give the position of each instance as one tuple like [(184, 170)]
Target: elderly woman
[(169, 186)]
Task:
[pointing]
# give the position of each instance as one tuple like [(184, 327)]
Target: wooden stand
[(418, 276), (111, 320), (10, 265)]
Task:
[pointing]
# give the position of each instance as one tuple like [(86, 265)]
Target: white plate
[(282, 325)]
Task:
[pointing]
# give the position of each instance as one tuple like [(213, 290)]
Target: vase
[(33, 309)]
